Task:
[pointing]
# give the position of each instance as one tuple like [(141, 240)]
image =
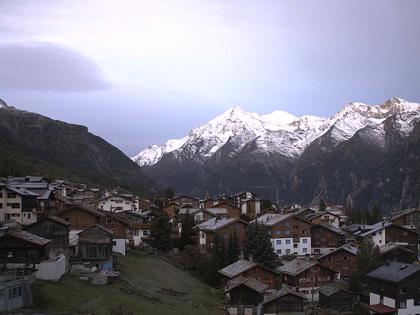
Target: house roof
[(321, 213), (215, 224), (379, 226), (331, 289), (347, 247), (381, 309), (280, 293), (394, 272), (83, 208), (391, 246), (296, 266), (251, 283), (22, 191), (404, 213), (29, 237), (184, 196), (271, 219), (53, 218), (115, 195), (332, 228), (237, 268), (101, 227)]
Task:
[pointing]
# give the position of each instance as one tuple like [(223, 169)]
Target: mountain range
[(361, 156), (32, 143)]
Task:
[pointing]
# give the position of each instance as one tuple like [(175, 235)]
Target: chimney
[(251, 258), (241, 255)]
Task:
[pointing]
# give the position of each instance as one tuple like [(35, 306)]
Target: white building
[(18, 204), (290, 234), (115, 203)]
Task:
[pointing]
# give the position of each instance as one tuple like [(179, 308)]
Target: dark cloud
[(48, 67)]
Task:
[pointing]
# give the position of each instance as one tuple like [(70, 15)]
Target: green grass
[(148, 285)]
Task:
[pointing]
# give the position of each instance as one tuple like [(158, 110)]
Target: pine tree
[(376, 214), (322, 205), (187, 230), (161, 232), (258, 245), (368, 258), (233, 249)]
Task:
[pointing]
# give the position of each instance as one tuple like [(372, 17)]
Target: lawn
[(148, 285)]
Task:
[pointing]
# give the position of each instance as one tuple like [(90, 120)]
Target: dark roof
[(331, 228), (394, 272), (29, 237), (52, 218), (83, 208), (381, 309), (392, 246), (403, 213), (280, 293), (101, 227), (237, 268), (251, 283), (296, 266), (331, 289), (347, 247)]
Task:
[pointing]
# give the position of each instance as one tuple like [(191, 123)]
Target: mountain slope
[(35, 143), (341, 158)]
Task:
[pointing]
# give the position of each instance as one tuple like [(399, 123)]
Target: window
[(305, 250), (1, 206), (287, 241), (29, 215), (287, 251), (403, 304), (278, 242), (295, 245), (146, 232), (108, 220), (119, 201), (11, 195), (114, 243), (1, 195), (287, 232), (278, 251), (19, 291), (304, 241)]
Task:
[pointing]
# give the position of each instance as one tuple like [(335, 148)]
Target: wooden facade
[(282, 302), (325, 238), (23, 247), (81, 217), (340, 260), (95, 243), (333, 298), (56, 230), (232, 211)]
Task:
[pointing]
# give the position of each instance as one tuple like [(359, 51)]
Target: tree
[(376, 214), (169, 193), (233, 249), (322, 205), (368, 258), (266, 204), (258, 245), (161, 232), (187, 230)]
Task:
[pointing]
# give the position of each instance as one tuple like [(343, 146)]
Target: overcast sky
[(142, 72)]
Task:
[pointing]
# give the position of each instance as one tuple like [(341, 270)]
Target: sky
[(141, 72)]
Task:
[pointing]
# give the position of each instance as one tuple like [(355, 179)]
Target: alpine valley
[(362, 156)]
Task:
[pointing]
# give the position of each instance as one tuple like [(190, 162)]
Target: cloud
[(48, 67)]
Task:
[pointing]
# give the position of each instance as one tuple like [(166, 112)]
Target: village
[(265, 259)]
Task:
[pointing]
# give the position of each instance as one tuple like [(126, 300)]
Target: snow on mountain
[(280, 131)]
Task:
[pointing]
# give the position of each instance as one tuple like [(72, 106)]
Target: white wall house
[(115, 203), (18, 204), (285, 237), (119, 245)]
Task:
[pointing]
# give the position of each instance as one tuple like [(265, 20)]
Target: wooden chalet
[(334, 297), (326, 238), (232, 210), (185, 200), (251, 269), (342, 260), (284, 301), (95, 246), (305, 276), (22, 247), (81, 217), (395, 252), (56, 230), (245, 296), (224, 228)]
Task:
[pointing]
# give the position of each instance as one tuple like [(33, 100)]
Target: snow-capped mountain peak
[(280, 131)]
